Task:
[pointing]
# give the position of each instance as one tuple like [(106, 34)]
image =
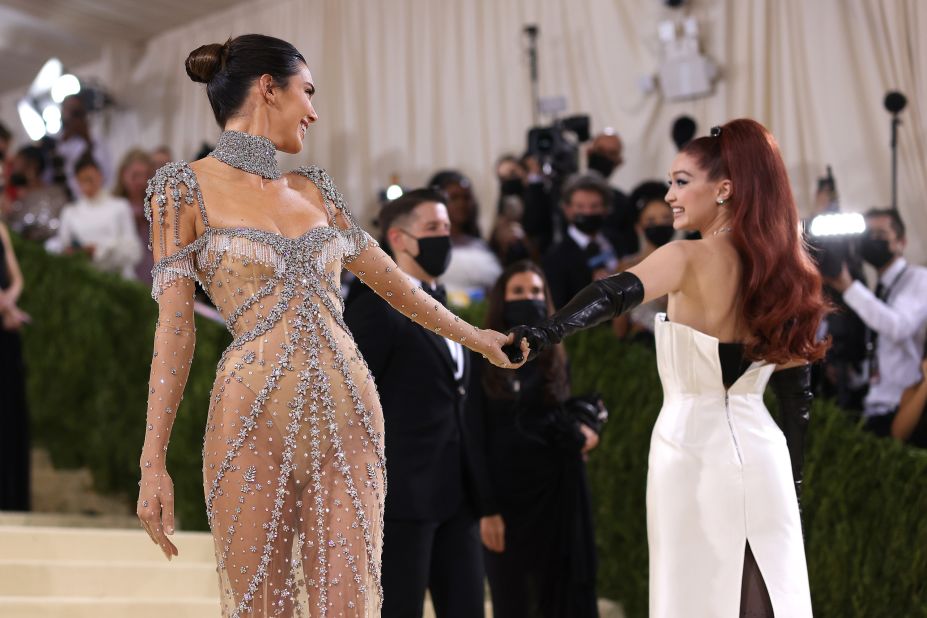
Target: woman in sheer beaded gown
[(293, 457), (723, 525)]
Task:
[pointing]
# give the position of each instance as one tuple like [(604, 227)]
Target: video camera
[(832, 236), (556, 147)]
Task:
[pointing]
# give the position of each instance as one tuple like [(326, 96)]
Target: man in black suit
[(587, 251), (434, 467)]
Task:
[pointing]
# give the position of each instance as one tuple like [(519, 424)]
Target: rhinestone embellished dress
[(293, 456)]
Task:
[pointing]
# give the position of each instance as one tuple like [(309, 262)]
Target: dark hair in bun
[(228, 70), (205, 61)]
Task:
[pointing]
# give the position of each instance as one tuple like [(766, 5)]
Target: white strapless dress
[(719, 476)]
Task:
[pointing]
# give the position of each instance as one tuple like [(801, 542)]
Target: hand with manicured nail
[(156, 508)]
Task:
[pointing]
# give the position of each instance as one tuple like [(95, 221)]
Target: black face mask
[(511, 186), (589, 224), (601, 164), (434, 254), (876, 251), (18, 179), (523, 312), (659, 235)]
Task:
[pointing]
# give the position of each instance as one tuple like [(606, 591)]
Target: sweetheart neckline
[(221, 229)]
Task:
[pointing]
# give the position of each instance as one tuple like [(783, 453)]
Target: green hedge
[(88, 354)]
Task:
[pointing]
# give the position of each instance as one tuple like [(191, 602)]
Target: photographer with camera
[(587, 252), (895, 316), (539, 537), (843, 371)]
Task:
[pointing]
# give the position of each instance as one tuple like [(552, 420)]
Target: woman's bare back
[(708, 298)]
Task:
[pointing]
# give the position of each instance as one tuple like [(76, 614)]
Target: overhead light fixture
[(48, 75), (32, 120), (393, 191), (64, 86), (48, 90), (685, 72)]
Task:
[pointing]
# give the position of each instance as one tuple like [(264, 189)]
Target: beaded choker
[(250, 153)]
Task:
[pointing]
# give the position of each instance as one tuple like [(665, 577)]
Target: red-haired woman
[(745, 301)]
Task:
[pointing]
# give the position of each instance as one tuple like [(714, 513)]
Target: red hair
[(781, 298)]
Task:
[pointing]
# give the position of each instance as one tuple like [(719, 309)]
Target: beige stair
[(83, 572), (103, 573)]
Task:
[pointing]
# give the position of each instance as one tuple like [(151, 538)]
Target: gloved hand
[(598, 302)]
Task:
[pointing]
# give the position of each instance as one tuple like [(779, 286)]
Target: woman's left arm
[(10, 296), (380, 273)]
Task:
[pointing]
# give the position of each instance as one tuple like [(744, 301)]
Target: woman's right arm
[(911, 409), (174, 340)]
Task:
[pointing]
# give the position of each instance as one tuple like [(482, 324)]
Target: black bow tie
[(439, 293)]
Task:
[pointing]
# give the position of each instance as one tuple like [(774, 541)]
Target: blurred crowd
[(65, 194)]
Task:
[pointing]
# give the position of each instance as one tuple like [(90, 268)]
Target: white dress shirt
[(104, 222), (901, 324), (456, 350), (73, 149), (608, 257), (473, 268)]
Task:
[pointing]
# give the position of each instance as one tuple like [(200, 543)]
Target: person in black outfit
[(605, 155), (436, 479), (14, 416), (540, 545), (587, 251)]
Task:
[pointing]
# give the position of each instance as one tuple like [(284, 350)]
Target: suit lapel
[(440, 346)]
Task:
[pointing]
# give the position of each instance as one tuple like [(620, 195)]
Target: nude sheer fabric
[(293, 457)]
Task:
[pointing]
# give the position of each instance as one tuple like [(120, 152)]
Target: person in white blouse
[(895, 314), (98, 224)]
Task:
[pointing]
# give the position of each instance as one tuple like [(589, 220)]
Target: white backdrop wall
[(411, 86)]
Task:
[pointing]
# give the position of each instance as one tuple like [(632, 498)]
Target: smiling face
[(693, 196), (291, 111)]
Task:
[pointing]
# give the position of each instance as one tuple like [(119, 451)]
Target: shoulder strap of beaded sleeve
[(178, 181), (341, 216), (173, 187)]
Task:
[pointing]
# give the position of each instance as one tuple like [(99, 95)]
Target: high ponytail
[(781, 296)]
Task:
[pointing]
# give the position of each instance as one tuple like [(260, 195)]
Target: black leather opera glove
[(793, 391), (597, 302)]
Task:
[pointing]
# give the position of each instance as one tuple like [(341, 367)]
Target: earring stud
[(720, 201)]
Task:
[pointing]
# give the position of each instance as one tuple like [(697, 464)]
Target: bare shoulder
[(307, 180)]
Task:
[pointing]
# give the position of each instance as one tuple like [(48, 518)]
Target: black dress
[(539, 487), (14, 417)]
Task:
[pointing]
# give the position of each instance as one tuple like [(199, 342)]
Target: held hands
[(501, 350), (156, 508), (535, 338)]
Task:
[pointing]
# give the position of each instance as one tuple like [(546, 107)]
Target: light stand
[(894, 103), (532, 33)]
